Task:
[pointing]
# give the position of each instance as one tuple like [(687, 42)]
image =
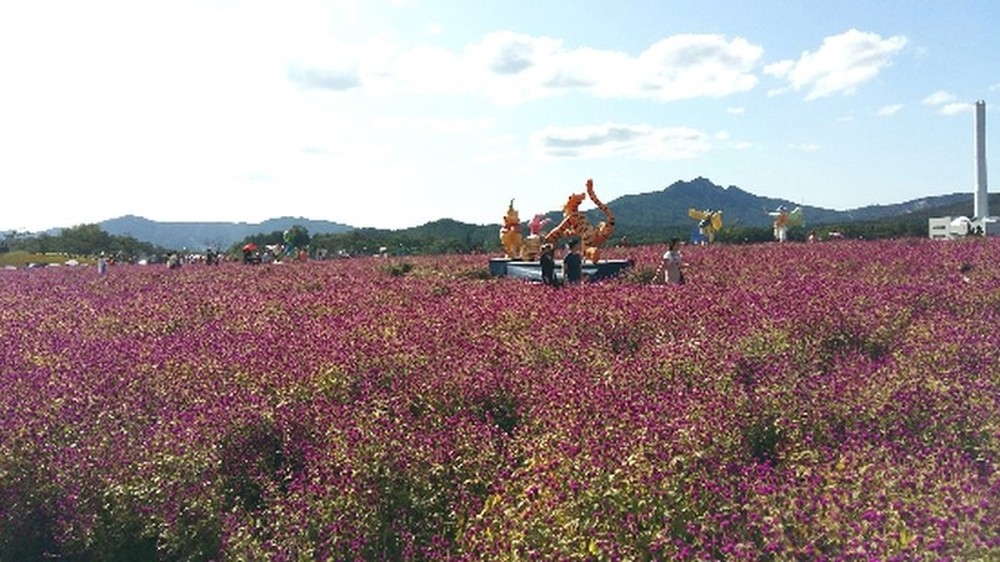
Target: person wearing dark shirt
[(548, 261), (573, 264)]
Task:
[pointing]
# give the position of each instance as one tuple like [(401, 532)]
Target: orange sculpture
[(784, 219), (576, 225)]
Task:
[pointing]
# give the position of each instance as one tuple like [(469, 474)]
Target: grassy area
[(22, 259)]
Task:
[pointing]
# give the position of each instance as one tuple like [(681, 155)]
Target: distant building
[(982, 223)]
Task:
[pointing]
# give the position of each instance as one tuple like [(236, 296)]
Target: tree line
[(80, 241), (440, 237)]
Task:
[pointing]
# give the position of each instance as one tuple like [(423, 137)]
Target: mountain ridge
[(213, 234), (669, 206), (666, 208)]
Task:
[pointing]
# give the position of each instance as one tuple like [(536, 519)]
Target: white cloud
[(939, 97), (325, 77), (511, 68), (616, 139), (956, 108), (842, 64), (735, 110), (781, 68), (946, 102), (685, 66), (888, 110)]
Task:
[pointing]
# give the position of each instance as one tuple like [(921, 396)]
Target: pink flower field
[(832, 401)]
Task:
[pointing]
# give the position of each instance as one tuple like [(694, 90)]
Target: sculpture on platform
[(784, 219), (709, 222), (510, 233), (531, 248), (575, 224)]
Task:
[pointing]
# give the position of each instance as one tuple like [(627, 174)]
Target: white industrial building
[(981, 222)]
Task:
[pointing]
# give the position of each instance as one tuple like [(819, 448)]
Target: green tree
[(84, 239), (297, 236)]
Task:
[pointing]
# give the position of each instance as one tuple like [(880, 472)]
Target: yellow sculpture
[(709, 222), (531, 248), (575, 224), (510, 233)]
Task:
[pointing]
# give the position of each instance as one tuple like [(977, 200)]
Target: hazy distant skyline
[(392, 113)]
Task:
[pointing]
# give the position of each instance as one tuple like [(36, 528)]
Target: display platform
[(532, 270)]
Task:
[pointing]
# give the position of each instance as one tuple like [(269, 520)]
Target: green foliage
[(762, 437), (398, 269), (81, 240), (474, 273), (20, 258), (84, 239), (500, 409), (640, 275), (439, 237), (255, 459), (752, 235), (27, 529), (297, 236)]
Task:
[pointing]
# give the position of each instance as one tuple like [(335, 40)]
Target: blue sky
[(395, 113)]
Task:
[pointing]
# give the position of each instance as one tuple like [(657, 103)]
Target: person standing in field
[(173, 261), (573, 264), (673, 265), (547, 259)]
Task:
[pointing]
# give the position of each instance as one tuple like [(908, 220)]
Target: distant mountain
[(652, 211), (659, 215), (201, 235), (669, 207)]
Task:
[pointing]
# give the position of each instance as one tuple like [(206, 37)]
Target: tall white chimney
[(981, 202)]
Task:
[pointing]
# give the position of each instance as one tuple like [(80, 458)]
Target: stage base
[(532, 270)]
